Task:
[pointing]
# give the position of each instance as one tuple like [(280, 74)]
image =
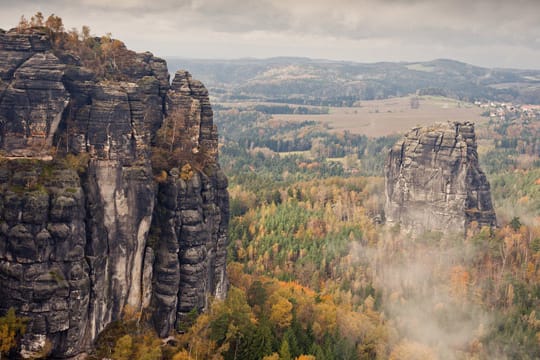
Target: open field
[(384, 117)]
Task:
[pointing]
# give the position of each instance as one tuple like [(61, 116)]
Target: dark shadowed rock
[(81, 239), (434, 181)]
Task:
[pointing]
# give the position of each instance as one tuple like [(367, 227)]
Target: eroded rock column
[(434, 181)]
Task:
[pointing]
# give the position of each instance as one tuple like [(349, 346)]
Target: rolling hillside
[(333, 83)]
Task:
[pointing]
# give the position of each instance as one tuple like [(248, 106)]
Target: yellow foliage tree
[(281, 313), (412, 351), (198, 341), (182, 355), (123, 348), (459, 280), (11, 326), (325, 319), (130, 313)]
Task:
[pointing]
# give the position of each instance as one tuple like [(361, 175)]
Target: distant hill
[(325, 82)]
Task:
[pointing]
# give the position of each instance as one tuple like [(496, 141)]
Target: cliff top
[(104, 56), (72, 92), (461, 127)]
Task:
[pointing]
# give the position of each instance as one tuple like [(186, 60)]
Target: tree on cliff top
[(53, 24), (107, 57), (173, 146)]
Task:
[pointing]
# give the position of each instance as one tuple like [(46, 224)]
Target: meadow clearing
[(392, 116)]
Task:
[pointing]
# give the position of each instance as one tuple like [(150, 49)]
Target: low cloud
[(424, 296)]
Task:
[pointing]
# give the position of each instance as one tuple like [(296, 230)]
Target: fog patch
[(428, 293)]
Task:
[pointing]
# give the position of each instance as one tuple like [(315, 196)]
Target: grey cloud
[(240, 16), (446, 25), (457, 22), (497, 20)]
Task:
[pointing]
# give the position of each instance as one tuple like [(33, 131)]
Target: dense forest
[(436, 295)]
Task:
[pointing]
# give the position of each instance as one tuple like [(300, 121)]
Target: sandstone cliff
[(85, 229), (434, 182)]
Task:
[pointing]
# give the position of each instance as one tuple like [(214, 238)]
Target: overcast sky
[(492, 33)]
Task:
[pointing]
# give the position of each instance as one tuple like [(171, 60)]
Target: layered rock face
[(434, 181), (77, 247)]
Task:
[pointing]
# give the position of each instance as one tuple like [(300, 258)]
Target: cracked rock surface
[(79, 245)]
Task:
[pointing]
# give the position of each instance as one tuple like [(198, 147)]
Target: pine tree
[(284, 351), (257, 342), (293, 343)]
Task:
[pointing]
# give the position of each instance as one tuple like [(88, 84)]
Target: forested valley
[(309, 227), (316, 274)]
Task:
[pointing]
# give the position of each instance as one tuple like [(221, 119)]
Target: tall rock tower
[(92, 221), (434, 182)]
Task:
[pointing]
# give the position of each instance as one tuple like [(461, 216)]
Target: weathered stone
[(59, 231), (82, 238), (434, 182), (191, 217), (11, 270), (12, 207)]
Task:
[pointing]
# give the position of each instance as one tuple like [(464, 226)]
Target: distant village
[(509, 111)]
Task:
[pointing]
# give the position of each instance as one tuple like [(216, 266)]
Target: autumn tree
[(123, 348), (229, 323), (281, 312), (23, 24), (11, 328), (37, 20), (412, 351), (85, 33), (54, 24), (306, 357)]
